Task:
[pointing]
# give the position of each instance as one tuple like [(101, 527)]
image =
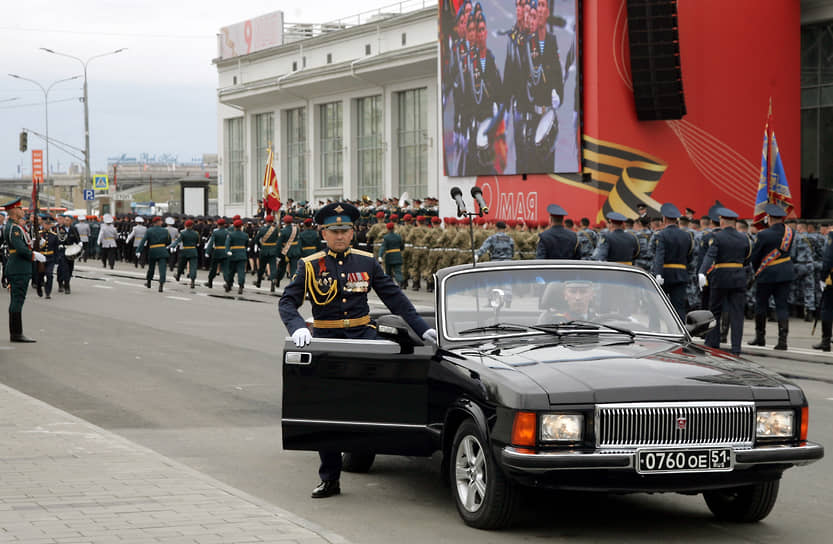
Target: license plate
[(670, 461)]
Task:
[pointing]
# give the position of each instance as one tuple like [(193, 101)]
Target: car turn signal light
[(523, 429), (805, 422)]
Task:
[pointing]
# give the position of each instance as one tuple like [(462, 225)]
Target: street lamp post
[(46, 113), (87, 174)]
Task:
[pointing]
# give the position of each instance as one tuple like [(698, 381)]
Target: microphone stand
[(471, 216)]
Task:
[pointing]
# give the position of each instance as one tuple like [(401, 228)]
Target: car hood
[(647, 369)]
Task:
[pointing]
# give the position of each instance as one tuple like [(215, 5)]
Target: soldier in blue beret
[(336, 281), (557, 242)]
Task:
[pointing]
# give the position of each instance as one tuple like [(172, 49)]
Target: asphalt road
[(196, 376)]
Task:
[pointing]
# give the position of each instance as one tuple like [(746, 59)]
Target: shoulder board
[(315, 256), (362, 253)]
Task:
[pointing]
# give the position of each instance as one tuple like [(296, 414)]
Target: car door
[(357, 395)]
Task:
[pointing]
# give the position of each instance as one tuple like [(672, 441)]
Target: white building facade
[(348, 113)]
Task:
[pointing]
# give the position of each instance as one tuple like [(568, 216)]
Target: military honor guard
[(18, 267), (108, 237), (187, 241), (289, 248), (68, 238), (236, 246), (774, 272), (215, 251), (267, 241), (337, 281), (390, 254), (723, 263), (674, 248), (49, 248), (309, 239), (136, 235), (156, 239), (617, 245), (557, 242)]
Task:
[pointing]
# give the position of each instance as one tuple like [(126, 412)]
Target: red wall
[(735, 55)]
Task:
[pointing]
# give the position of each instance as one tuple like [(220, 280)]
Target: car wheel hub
[(470, 473)]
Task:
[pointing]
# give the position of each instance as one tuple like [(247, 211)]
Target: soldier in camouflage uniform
[(376, 232), (817, 237), (500, 246), (587, 240), (643, 235), (803, 287), (418, 252), (462, 242), (448, 254)]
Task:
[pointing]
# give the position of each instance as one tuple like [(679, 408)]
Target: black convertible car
[(560, 374)]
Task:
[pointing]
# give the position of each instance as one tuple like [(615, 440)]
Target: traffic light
[(24, 141)]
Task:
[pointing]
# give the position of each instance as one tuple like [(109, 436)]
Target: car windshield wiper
[(510, 327), (588, 326)]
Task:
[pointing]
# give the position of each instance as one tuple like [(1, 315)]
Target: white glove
[(381, 260), (660, 279), (39, 256), (207, 256), (555, 100), (228, 253), (430, 335), (301, 337), (701, 281), (822, 285), (476, 257)]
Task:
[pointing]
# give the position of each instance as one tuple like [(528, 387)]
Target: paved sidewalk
[(63, 480)]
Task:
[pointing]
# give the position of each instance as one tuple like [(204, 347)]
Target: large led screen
[(510, 86)]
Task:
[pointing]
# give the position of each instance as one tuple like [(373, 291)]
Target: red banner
[(37, 166)]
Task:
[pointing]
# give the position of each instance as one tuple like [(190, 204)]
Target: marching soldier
[(288, 249), (174, 234), (725, 257), (108, 242), (18, 267), (774, 271), (309, 239), (136, 235), (188, 239), (674, 250), (49, 248), (237, 243), (83, 229), (826, 286), (67, 236), (215, 250), (267, 240), (157, 239), (557, 242), (390, 254), (337, 282), (617, 245)]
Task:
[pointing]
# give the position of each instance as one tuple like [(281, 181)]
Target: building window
[(234, 159), (296, 154), (817, 104), (412, 138), (294, 65), (331, 145), (264, 138), (404, 38), (370, 149), (367, 49), (329, 58)]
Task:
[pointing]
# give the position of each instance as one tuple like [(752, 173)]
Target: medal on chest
[(324, 280), (357, 282)]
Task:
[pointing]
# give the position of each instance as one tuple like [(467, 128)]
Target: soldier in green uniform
[(390, 253), (309, 239), (215, 251), (267, 241), (237, 243), (289, 249), (157, 238), (189, 238), (18, 267)]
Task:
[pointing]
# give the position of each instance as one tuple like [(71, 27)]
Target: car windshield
[(489, 303)]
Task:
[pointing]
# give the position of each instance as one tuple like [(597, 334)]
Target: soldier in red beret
[(188, 239), (157, 239), (267, 242), (289, 249), (215, 251), (237, 244)]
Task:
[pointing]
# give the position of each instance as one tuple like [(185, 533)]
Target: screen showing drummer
[(509, 86)]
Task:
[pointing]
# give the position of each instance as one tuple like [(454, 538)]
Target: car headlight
[(561, 427), (774, 424)]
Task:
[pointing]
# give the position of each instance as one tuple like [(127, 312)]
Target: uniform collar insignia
[(335, 255)]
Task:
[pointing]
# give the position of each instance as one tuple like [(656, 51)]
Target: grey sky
[(159, 96)]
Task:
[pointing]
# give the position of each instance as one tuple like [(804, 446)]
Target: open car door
[(357, 396)]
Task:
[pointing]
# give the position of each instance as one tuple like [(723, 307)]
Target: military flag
[(773, 186), (271, 193)]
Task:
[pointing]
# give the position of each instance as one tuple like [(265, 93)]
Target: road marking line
[(829, 398), (103, 286), (128, 284), (179, 298)]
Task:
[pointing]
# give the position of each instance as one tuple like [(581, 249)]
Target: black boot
[(760, 331), (724, 327), (16, 328), (67, 289), (415, 285), (147, 284), (210, 283), (808, 315), (161, 284), (240, 290), (192, 283), (826, 330), (227, 287), (272, 286), (783, 329), (258, 281), (40, 291), (176, 277)]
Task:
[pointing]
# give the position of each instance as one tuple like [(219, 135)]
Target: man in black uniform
[(773, 274), (336, 282), (727, 252), (826, 313), (673, 252), (557, 242), (617, 245)]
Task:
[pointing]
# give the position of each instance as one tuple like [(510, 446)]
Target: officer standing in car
[(673, 253), (336, 281)]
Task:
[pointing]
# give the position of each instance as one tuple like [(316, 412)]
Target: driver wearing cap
[(337, 281)]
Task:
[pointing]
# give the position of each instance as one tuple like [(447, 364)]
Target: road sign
[(89, 194), (37, 166), (100, 183)]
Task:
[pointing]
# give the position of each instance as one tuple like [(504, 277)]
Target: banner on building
[(510, 87), (251, 35)]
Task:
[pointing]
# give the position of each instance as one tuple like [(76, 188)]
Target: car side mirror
[(699, 322), (394, 327)]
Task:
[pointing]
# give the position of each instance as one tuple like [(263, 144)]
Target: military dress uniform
[(49, 248), (390, 252), (156, 239), (236, 246), (723, 264), (67, 235), (216, 251), (310, 241), (18, 272), (617, 245), (826, 312), (774, 271), (337, 285), (267, 240), (557, 242), (108, 239), (674, 248), (188, 239)]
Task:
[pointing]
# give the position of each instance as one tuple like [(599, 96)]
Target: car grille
[(675, 424)]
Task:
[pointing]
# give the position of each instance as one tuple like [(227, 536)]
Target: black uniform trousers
[(780, 291), (330, 468), (65, 269), (826, 312), (732, 299), (677, 294)]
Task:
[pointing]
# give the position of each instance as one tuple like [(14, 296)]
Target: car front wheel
[(745, 504), (485, 498)]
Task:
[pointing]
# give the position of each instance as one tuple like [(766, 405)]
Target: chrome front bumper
[(514, 459)]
